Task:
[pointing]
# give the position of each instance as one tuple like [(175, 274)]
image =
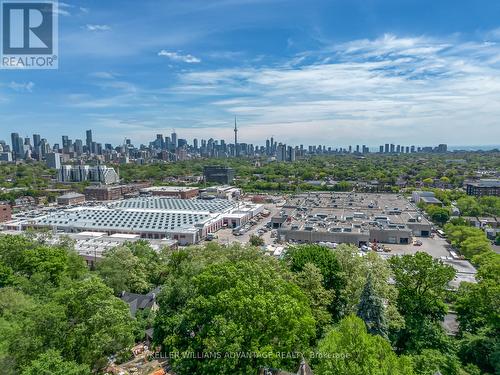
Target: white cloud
[(63, 9), (91, 27), (22, 86), (370, 90), (102, 75), (174, 56)]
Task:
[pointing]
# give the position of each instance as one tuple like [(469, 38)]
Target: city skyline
[(35, 143), (302, 73)]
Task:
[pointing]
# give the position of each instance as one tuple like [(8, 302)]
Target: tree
[(326, 261), (100, 323), (422, 288), (354, 270), (431, 362), (349, 350), (123, 271), (310, 282), (469, 206), (470, 241), (371, 310), (51, 363), (231, 302), (439, 215), (256, 241), (478, 311)]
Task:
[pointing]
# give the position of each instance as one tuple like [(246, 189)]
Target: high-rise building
[(80, 173), (88, 141), (174, 140), (78, 146), (218, 174), (53, 160), (36, 146), (17, 146)]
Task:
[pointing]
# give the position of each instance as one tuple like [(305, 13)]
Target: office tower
[(442, 148), (65, 139), (17, 146), (195, 144), (381, 149), (357, 149), (159, 143), (174, 140), (398, 149), (181, 142), (53, 160), (78, 146), (36, 146), (407, 149), (412, 149), (386, 148), (281, 152), (291, 154), (88, 141)]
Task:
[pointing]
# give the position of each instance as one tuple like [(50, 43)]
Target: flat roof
[(430, 200), (485, 183), (174, 204), (173, 189)]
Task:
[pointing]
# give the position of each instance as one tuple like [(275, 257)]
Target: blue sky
[(330, 72)]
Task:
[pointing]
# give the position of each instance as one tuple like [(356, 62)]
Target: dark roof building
[(140, 301), (484, 187), (218, 174)]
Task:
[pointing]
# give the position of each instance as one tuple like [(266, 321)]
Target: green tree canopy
[(349, 349), (422, 288), (234, 302)]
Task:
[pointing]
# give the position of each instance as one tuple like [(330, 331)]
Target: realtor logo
[(29, 34)]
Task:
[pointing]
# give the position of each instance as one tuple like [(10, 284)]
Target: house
[(141, 302), (416, 196), (431, 200), (304, 369)]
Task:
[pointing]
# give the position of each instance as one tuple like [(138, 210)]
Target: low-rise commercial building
[(181, 192), (110, 193), (186, 221), (356, 218), (71, 199)]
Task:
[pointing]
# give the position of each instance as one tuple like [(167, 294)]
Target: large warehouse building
[(186, 221), (350, 218)]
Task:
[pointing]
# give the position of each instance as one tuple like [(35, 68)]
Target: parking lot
[(436, 247), (226, 236)]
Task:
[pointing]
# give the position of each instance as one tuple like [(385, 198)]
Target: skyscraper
[(88, 141), (17, 146), (174, 140)]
